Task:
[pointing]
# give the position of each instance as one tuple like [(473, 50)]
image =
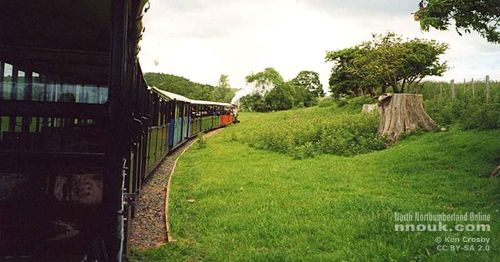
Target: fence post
[(487, 89), (452, 88), (464, 86), (473, 91)]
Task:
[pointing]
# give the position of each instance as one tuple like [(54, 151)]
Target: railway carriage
[(80, 130)]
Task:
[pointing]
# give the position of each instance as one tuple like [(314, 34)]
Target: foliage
[(255, 205), (465, 113), (224, 82), (266, 80), (356, 103), (433, 89), (310, 81), (469, 109), (253, 102), (187, 88), (482, 16), (317, 130), (282, 97), (223, 90), (385, 61), (274, 94), (326, 102)]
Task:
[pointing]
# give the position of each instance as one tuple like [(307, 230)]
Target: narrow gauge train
[(80, 130)]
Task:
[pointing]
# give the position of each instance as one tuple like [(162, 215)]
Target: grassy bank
[(303, 133), (230, 201)]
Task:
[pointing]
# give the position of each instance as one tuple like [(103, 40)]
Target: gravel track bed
[(148, 226)]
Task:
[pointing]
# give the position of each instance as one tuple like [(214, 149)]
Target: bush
[(326, 102), (305, 133), (465, 113), (358, 102), (304, 151), (342, 102)]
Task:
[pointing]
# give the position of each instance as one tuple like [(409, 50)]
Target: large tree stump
[(401, 114)]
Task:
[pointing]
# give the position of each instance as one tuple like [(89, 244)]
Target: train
[(80, 129)]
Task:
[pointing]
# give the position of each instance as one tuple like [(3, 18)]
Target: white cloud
[(202, 39)]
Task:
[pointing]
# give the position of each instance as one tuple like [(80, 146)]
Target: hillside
[(183, 86)]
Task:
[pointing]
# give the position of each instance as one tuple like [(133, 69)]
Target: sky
[(202, 39)]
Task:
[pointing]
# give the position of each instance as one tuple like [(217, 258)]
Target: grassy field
[(231, 201)]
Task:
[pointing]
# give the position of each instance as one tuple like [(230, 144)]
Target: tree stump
[(401, 114), (368, 108)]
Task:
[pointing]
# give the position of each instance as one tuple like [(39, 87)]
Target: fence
[(484, 89)]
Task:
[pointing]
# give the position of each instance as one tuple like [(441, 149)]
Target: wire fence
[(485, 90)]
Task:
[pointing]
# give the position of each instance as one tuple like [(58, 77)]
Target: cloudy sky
[(202, 39)]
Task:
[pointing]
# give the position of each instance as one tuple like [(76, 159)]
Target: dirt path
[(148, 226)]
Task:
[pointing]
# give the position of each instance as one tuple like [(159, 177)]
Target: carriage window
[(6, 81), (23, 85)]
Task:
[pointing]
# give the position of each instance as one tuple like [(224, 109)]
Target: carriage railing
[(38, 113)]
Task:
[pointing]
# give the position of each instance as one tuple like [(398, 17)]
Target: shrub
[(358, 102), (304, 151), (326, 102), (342, 102), (308, 132), (465, 113)]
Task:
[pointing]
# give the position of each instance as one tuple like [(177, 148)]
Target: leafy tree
[(253, 102), (266, 80), (273, 93), (187, 88), (224, 81), (385, 61), (482, 16), (280, 97), (310, 81), (346, 77), (223, 90)]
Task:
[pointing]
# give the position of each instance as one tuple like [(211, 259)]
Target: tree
[(187, 88), (253, 102), (223, 89), (266, 80), (273, 93), (482, 16), (346, 77), (385, 61), (280, 97), (310, 81), (224, 81)]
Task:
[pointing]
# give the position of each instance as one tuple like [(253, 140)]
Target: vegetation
[(258, 205), (482, 16), (183, 86), (316, 130), (469, 109), (266, 80), (385, 61), (273, 93), (467, 113), (310, 81)]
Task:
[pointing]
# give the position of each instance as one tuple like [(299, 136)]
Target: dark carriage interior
[(54, 78), (80, 131)]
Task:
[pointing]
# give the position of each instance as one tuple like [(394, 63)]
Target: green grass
[(259, 205)]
